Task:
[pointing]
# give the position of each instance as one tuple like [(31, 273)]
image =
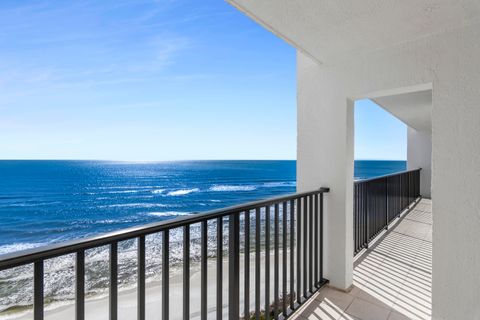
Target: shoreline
[(97, 308)]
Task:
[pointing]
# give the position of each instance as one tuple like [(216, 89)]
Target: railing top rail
[(385, 176), (23, 257)]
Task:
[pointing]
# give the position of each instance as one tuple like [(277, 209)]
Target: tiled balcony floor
[(392, 280)]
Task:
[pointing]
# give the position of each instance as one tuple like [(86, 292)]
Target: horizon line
[(173, 160)]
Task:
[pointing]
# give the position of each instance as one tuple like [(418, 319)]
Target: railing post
[(292, 254), (219, 268), (367, 217), (257, 263), (321, 237), (246, 292), (165, 275), (386, 204), (267, 262), (38, 290), (203, 270), (186, 272), (113, 297), (234, 267), (80, 285), (141, 278)]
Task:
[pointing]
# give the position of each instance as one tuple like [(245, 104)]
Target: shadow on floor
[(392, 280)]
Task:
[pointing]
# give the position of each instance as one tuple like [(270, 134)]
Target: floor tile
[(367, 311), (393, 279)]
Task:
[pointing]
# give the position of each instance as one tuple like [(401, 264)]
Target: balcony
[(273, 255), (391, 280)]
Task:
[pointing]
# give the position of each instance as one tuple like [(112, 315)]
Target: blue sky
[(154, 80)]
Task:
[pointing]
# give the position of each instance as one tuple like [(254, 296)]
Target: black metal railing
[(295, 222), (380, 200)]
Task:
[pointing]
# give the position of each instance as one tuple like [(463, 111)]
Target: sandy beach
[(97, 308)]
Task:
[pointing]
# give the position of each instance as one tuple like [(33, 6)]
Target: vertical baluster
[(321, 237), (358, 217), (186, 272), (276, 257), (38, 290), (267, 262), (284, 259), (80, 285), (360, 226), (246, 303), (257, 263), (305, 245), (292, 253), (310, 244), (204, 271), (397, 196), (367, 213), (234, 267), (355, 219), (316, 239), (141, 278), (363, 216), (113, 281), (299, 250), (385, 185), (219, 267), (165, 275)]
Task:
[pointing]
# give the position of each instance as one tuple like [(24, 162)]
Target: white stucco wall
[(325, 158), (450, 63), (419, 155)]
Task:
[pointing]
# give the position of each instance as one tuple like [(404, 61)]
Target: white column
[(325, 158), (419, 155)]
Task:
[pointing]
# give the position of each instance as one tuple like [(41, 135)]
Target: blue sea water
[(42, 202), (51, 201)]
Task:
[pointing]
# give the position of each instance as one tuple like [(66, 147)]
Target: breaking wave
[(136, 205), (169, 214), (279, 184), (182, 192), (230, 188), (14, 247)]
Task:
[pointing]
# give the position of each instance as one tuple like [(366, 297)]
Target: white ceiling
[(414, 109), (325, 29)]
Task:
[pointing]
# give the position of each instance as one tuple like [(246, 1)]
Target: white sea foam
[(140, 197), (124, 191), (121, 187), (136, 205), (280, 184), (107, 221), (59, 273), (168, 214), (230, 188), (19, 247), (182, 192), (158, 191)]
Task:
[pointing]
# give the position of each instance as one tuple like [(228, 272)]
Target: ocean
[(44, 202)]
